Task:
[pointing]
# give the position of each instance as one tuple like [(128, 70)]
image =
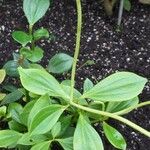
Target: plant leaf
[(36, 54), (40, 82), (114, 137), (21, 37), (60, 63), (35, 9), (119, 86), (12, 97), (46, 118), (41, 146), (3, 111), (88, 84), (41, 33), (25, 114), (85, 136), (66, 143), (118, 106), (2, 75), (2, 96), (9, 138), (11, 68), (15, 109), (56, 129), (127, 5), (41, 103)]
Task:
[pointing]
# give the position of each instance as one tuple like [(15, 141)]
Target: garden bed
[(111, 51)]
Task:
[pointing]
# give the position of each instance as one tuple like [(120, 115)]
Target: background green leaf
[(60, 63), (2, 75), (56, 129), (118, 106), (66, 143), (21, 37), (127, 5), (114, 137), (41, 33), (88, 84), (9, 138), (35, 9)]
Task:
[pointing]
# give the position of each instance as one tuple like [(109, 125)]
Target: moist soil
[(128, 50)]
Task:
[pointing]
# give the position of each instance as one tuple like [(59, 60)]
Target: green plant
[(30, 53), (57, 113)]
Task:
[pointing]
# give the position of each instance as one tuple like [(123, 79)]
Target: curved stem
[(127, 110), (77, 48), (111, 115)]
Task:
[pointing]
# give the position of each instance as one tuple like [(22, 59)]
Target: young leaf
[(42, 102), (46, 118), (118, 106), (66, 143), (85, 136), (2, 75), (2, 96), (11, 68), (40, 33), (88, 84), (36, 54), (127, 5), (56, 129), (9, 138), (13, 125), (21, 37), (15, 110), (35, 9), (40, 82), (3, 111), (60, 63), (41, 146), (120, 86), (114, 137), (12, 97)]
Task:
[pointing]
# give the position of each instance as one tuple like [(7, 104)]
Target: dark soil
[(128, 50)]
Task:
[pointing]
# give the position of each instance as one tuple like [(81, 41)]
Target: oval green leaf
[(9, 138), (40, 33), (45, 119), (60, 63), (40, 82), (41, 146), (88, 84), (35, 9), (85, 136), (21, 37), (2, 75), (114, 137), (118, 106), (11, 68), (119, 86)]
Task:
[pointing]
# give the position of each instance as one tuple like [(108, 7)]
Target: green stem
[(127, 110), (31, 33), (77, 48), (111, 115)]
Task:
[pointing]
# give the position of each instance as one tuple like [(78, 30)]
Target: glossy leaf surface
[(60, 63), (119, 86), (114, 137), (41, 33), (85, 136)]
